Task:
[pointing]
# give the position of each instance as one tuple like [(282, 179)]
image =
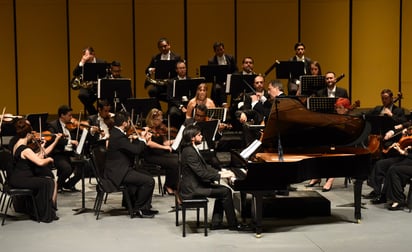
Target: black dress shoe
[(324, 189), (71, 189), (396, 206), (317, 182), (242, 228), (144, 213), (153, 211), (218, 227), (378, 200), (371, 195)]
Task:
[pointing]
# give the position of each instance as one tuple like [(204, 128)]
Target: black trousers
[(140, 188), (398, 176), (65, 170), (378, 174), (88, 97), (223, 203)]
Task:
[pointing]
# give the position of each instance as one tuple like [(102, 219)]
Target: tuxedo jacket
[(196, 176), (230, 60), (398, 115), (306, 63), (120, 157), (157, 57), (55, 127), (259, 111), (340, 92)]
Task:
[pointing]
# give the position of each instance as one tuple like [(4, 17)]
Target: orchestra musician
[(115, 71), (87, 95), (64, 150), (163, 44), (100, 124), (31, 170), (247, 66), (200, 98), (198, 180), (388, 108), (201, 116), (300, 57), (331, 90), (342, 107), (221, 58), (177, 106), (159, 149), (380, 171), (120, 170)]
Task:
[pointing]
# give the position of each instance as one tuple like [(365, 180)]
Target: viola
[(75, 124), (45, 136)]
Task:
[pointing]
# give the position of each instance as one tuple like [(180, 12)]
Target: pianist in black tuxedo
[(120, 166), (197, 180)]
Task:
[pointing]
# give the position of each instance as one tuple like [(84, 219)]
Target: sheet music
[(178, 139), (79, 148), (246, 153), (228, 78)]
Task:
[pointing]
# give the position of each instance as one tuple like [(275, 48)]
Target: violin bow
[(2, 116), (78, 126)]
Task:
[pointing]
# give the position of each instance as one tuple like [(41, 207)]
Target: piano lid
[(300, 127)]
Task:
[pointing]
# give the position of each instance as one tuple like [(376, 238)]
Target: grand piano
[(313, 145)]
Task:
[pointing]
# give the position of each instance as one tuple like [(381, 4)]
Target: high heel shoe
[(168, 190), (313, 184), (324, 189)]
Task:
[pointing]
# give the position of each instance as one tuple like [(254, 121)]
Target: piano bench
[(185, 204)]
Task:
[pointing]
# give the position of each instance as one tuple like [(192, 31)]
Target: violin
[(45, 136), (75, 124)]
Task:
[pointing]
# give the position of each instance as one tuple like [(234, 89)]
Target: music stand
[(217, 113), (322, 104), (94, 71), (116, 90), (290, 69), (141, 107), (310, 84), (165, 69), (240, 83), (214, 73), (180, 88), (34, 120), (208, 129), (380, 124)]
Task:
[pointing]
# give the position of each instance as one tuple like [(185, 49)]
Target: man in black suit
[(198, 180), (87, 95), (155, 90), (331, 90), (120, 170), (99, 128), (64, 150), (221, 58), (388, 108)]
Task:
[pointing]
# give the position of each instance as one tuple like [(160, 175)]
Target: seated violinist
[(160, 150), (380, 171), (100, 124), (31, 170), (64, 150), (200, 98)]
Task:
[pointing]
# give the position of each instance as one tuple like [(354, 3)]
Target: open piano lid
[(299, 127)]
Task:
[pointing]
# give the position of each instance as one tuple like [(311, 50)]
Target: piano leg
[(258, 210), (357, 192)]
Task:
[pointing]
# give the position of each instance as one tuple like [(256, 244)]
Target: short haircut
[(115, 63), (276, 83), (120, 118), (245, 58), (88, 48), (162, 40), (63, 110), (387, 91), (299, 44), (218, 44), (103, 103), (201, 107)]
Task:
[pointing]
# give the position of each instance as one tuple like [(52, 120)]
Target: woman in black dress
[(31, 170)]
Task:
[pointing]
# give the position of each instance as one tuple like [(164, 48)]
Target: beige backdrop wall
[(40, 49)]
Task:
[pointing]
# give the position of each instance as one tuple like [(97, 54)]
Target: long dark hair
[(188, 133)]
